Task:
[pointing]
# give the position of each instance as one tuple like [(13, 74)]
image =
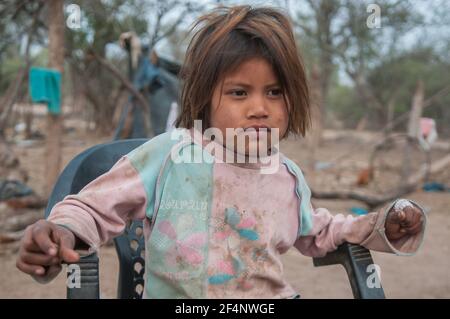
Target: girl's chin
[(254, 149)]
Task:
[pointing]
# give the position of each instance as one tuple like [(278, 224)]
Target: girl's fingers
[(31, 269), (50, 274), (42, 238), (396, 217), (413, 216), (53, 270), (39, 259), (66, 243), (414, 229), (28, 243), (69, 255)]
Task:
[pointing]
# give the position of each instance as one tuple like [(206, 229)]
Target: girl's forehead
[(256, 68)]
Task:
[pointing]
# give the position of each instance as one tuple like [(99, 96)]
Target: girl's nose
[(257, 108)]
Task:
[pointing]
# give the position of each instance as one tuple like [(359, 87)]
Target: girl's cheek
[(283, 121), (283, 129)]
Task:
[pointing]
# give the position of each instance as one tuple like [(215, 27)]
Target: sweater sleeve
[(102, 208), (321, 232), (329, 231)]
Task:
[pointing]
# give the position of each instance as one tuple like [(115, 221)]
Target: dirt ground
[(425, 275)]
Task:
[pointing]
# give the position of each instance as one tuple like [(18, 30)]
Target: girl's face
[(250, 97)]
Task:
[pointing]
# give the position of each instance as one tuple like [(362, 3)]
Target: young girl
[(215, 226)]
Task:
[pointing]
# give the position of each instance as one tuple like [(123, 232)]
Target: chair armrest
[(83, 278), (81, 170), (356, 260)]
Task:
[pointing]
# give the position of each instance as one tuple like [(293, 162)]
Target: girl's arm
[(102, 208), (323, 232)]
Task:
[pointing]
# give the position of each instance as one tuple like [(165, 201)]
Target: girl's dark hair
[(227, 37)]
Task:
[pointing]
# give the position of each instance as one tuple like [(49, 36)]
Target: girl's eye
[(238, 93), (275, 92)]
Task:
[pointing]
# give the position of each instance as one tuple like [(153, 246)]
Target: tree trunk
[(362, 123), (390, 115), (324, 73), (54, 121), (416, 110), (11, 100), (413, 128), (8, 161), (28, 120), (101, 111), (78, 92), (316, 114)]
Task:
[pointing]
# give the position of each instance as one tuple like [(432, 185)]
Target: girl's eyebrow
[(245, 85)]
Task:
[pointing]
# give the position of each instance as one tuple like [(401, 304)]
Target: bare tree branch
[(441, 93), (23, 73), (371, 200), (126, 83), (171, 29), (426, 103)]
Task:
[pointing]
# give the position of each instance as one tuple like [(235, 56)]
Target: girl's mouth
[(258, 128), (257, 131)]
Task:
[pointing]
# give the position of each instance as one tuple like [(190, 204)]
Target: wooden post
[(54, 121)]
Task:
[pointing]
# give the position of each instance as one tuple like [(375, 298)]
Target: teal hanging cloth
[(45, 87)]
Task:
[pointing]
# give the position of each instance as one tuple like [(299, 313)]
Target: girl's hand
[(44, 247), (403, 220)]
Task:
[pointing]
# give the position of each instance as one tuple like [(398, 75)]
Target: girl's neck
[(226, 155)]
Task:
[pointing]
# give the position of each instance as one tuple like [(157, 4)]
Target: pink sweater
[(216, 230)]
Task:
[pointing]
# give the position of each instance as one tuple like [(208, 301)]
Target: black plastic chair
[(130, 246)]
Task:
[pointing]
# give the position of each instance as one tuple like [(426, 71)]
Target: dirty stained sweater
[(215, 229)]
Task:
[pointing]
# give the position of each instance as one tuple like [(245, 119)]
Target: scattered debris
[(21, 220), (9, 237), (435, 187), (30, 201), (13, 188), (322, 165), (372, 201), (365, 176), (359, 211), (19, 208)]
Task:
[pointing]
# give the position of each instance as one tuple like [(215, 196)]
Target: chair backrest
[(83, 169)]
